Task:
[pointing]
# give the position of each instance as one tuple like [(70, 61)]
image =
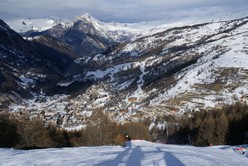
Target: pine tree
[(205, 132), (221, 129)]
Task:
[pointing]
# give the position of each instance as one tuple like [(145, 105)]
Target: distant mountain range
[(131, 72), (85, 34)]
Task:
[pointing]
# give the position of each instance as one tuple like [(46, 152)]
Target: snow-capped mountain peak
[(38, 24), (85, 17)]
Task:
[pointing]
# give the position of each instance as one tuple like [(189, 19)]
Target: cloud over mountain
[(121, 11)]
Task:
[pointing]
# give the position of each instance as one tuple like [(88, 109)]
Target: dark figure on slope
[(128, 138)]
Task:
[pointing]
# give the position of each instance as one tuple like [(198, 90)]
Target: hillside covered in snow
[(65, 73)]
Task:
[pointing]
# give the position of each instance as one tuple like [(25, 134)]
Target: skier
[(127, 142), (128, 138)]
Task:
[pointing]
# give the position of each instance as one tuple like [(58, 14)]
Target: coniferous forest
[(228, 125)]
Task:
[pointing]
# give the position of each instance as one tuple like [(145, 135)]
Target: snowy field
[(137, 153)]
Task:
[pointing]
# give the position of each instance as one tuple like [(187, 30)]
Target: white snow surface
[(24, 25), (136, 153)]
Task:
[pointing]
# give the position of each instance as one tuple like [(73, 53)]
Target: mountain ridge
[(176, 70), (29, 66)]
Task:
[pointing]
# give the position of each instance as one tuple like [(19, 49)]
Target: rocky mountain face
[(29, 68), (175, 70), (86, 35)]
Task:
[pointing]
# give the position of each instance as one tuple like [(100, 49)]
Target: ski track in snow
[(136, 153), (141, 81)]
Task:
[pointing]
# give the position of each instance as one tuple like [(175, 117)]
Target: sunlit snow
[(136, 153)]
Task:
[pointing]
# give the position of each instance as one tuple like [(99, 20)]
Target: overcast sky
[(119, 10)]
